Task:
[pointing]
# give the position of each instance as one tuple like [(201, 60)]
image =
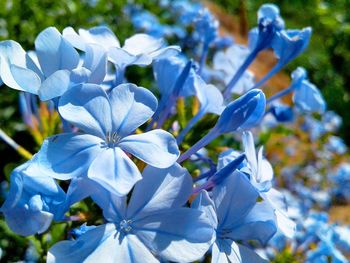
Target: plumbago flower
[(236, 216), (33, 201), (132, 53), (107, 120), (153, 227), (260, 174), (53, 68)]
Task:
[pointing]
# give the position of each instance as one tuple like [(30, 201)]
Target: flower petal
[(166, 188), (157, 147), (96, 61), (180, 235), (131, 107), (13, 62), (87, 107), (55, 85), (67, 155), (54, 52), (234, 198), (100, 35), (114, 170), (235, 253), (205, 204), (259, 224)]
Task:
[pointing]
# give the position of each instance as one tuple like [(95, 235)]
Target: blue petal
[(102, 242), (114, 170), (55, 85), (204, 203), (157, 147), (234, 198), (68, 155), (210, 97), (166, 188), (131, 107), (232, 252), (27, 79), (54, 52), (87, 107), (120, 57), (309, 98), (96, 61), (33, 201), (15, 61), (180, 235), (259, 224)]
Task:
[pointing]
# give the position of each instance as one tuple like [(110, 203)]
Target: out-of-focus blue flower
[(341, 180), (306, 95), (108, 121), (282, 113), (34, 200), (269, 23), (229, 62), (154, 226), (236, 216), (211, 101), (336, 145)]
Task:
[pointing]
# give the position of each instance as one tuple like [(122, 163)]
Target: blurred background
[(327, 59)]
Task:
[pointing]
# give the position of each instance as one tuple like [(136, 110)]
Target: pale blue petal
[(67, 155), (210, 98), (55, 85), (79, 75), (114, 170), (166, 188), (157, 147), (149, 44), (27, 79), (309, 98), (234, 198), (204, 203), (72, 37), (166, 72), (96, 61), (87, 107), (120, 57), (13, 60), (100, 35), (54, 52), (236, 253), (260, 224), (113, 207), (88, 246), (180, 235), (25, 222), (131, 107)]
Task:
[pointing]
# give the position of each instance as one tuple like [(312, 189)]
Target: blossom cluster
[(164, 194)]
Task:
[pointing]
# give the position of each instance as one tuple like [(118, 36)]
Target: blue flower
[(229, 62), (108, 121), (236, 216), (52, 69), (132, 53), (34, 200), (153, 227)]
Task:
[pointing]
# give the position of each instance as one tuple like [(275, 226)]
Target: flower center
[(112, 139), (125, 225)]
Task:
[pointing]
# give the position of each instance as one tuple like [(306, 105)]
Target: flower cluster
[(165, 194)]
